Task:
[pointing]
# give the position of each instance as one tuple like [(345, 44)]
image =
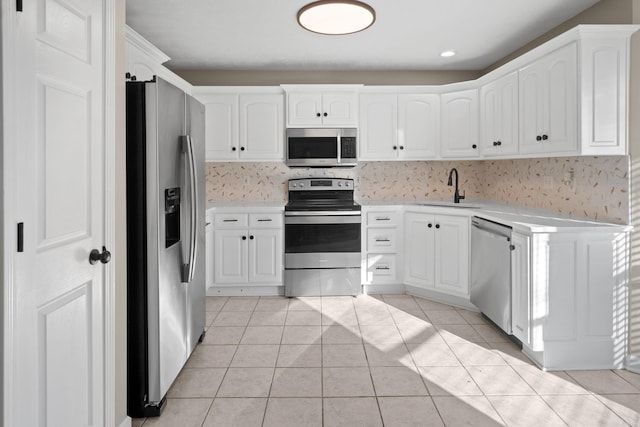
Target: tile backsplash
[(595, 187)]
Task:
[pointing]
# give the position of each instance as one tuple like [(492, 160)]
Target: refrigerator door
[(196, 286), (167, 295)]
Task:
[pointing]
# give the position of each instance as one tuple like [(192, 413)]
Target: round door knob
[(545, 137), (538, 138), (429, 225), (250, 237), (317, 114), (437, 225), (103, 257), (474, 146), (233, 148), (244, 237)]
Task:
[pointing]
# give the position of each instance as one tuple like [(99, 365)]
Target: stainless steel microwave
[(321, 147)]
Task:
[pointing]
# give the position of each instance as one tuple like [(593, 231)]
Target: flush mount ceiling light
[(336, 17), (447, 54)]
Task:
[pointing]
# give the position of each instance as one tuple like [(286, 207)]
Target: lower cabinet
[(247, 249), (382, 249), (437, 252), (569, 298)]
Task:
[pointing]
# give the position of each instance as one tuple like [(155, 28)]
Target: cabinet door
[(230, 256), (304, 109), (520, 288), (378, 127), (548, 103), (418, 126), (340, 108), (265, 256), (419, 250), (452, 254), (221, 127), (261, 127), (209, 251), (460, 124), (499, 116)]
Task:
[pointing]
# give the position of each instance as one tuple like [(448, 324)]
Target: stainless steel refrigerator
[(165, 239)]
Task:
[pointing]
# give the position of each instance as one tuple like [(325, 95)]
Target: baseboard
[(383, 289), (126, 422), (632, 364), (456, 301), (244, 290)]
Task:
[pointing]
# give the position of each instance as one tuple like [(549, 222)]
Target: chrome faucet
[(456, 196)]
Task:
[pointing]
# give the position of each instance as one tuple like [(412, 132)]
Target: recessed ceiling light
[(336, 17), (447, 54)]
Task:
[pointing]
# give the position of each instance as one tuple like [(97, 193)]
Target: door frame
[(9, 53)]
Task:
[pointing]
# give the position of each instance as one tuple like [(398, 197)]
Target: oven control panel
[(306, 184)]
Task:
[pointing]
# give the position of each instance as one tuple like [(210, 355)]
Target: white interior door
[(56, 359)]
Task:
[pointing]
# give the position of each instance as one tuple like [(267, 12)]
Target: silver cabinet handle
[(383, 240), (229, 220), (383, 218), (265, 220), (383, 267), (188, 269)]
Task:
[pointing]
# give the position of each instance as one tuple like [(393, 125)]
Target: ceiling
[(407, 34)]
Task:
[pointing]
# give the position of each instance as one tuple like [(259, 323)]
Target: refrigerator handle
[(188, 270)]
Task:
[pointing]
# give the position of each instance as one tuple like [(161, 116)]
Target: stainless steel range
[(322, 238)]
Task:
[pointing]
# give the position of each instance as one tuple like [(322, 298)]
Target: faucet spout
[(456, 195)]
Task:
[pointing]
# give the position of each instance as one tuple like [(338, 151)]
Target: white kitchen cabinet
[(243, 126), (321, 106), (460, 130), (399, 127), (548, 103), (209, 250), (437, 252), (499, 117), (382, 249), (569, 297), (248, 249)]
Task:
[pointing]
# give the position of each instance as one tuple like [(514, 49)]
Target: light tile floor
[(391, 360)]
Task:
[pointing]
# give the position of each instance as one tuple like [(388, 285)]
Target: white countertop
[(519, 217)]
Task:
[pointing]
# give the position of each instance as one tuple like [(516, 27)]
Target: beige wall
[(603, 12), (600, 189), (276, 78)]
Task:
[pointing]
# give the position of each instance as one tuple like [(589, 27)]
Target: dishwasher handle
[(491, 227)]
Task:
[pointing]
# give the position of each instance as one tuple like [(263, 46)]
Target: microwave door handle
[(190, 163)]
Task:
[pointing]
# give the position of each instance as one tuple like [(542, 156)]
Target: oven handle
[(322, 219), (322, 213)]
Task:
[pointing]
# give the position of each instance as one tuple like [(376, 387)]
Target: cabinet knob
[(317, 114), (429, 225), (395, 147), (538, 138), (437, 225), (474, 146), (545, 137), (250, 237), (241, 148), (495, 143), (499, 142), (325, 114), (233, 148), (244, 237), (402, 147)]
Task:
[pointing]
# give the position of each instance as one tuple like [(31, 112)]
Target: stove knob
[(339, 184), (302, 184), (295, 185)]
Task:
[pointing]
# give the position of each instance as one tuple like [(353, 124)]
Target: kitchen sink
[(449, 204)]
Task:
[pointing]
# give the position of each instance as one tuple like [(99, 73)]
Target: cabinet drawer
[(382, 239), (265, 220), (381, 268), (231, 220), (383, 218)]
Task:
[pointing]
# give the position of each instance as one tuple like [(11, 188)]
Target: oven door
[(313, 233)]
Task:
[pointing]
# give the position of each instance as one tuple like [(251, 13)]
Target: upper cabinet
[(243, 126), (460, 125), (399, 127), (322, 106), (499, 117), (548, 119)]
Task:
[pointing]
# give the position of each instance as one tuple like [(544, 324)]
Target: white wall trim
[(633, 364), (244, 290), (131, 36), (125, 423)]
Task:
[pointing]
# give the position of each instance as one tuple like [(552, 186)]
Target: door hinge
[(18, 5), (20, 237)]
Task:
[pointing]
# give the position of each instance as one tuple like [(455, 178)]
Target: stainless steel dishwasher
[(491, 270)]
